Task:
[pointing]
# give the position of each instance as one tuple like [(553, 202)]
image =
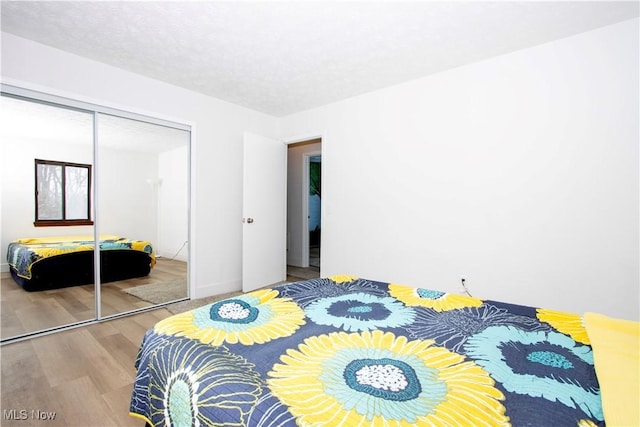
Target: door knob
[(249, 220)]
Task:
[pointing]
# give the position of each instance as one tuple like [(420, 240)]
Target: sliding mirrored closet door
[(143, 201), (46, 161), (77, 176)]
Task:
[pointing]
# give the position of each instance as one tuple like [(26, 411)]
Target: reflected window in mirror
[(63, 193)]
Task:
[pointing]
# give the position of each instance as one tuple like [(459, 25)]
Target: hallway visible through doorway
[(296, 274), (304, 165)]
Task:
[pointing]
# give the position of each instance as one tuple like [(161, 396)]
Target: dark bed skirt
[(76, 268)]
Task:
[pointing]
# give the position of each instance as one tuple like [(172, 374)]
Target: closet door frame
[(22, 93)]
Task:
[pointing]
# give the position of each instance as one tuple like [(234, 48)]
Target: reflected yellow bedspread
[(22, 254)]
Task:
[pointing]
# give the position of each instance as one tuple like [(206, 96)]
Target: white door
[(264, 212)]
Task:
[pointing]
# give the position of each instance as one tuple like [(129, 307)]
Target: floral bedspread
[(22, 254), (343, 351)]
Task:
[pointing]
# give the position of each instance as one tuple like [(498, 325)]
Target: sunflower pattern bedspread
[(343, 351), (22, 254)]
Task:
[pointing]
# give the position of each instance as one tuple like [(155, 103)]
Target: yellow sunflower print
[(435, 300), (254, 318), (376, 378), (342, 278), (567, 323)]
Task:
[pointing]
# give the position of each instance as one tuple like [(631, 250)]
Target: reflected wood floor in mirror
[(26, 312)]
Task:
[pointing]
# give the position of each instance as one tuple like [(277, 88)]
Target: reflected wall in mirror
[(143, 198), (37, 297)]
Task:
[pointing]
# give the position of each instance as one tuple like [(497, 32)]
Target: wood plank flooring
[(26, 312), (84, 376)]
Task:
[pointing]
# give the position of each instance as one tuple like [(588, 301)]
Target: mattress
[(56, 262), (349, 351)]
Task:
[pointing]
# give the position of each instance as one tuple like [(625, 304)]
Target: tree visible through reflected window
[(63, 193)]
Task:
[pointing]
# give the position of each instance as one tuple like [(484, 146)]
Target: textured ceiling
[(284, 57)]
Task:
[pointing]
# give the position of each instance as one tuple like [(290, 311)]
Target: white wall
[(520, 172), (173, 204), (216, 152), (297, 235), (125, 199)]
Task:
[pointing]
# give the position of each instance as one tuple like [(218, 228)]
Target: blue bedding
[(348, 351)]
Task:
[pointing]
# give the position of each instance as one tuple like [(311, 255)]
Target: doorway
[(304, 198)]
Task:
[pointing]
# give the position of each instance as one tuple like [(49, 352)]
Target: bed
[(39, 264), (344, 351)]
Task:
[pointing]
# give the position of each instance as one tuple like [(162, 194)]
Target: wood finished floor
[(26, 312), (84, 375)]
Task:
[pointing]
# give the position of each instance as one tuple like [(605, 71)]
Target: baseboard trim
[(296, 262), (216, 289)]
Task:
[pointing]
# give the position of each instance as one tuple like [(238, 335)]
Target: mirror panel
[(142, 178), (31, 130)]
